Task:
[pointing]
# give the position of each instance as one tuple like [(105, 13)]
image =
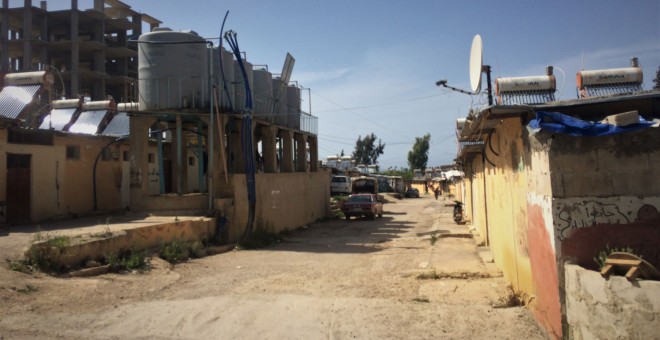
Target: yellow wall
[(63, 187), (284, 201)]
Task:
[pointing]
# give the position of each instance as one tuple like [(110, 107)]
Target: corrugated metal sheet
[(57, 119), (88, 122), (119, 125), (13, 99)]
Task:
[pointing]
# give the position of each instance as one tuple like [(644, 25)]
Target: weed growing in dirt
[(132, 260), (59, 242), (512, 299), (421, 299), (603, 254), (433, 239), (174, 252), (29, 289), (19, 266), (44, 255)]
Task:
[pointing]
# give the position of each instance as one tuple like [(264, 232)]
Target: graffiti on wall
[(136, 178), (586, 214)]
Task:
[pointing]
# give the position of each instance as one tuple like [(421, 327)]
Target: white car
[(340, 185)]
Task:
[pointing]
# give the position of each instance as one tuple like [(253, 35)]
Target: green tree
[(366, 151), (657, 80), (419, 155)]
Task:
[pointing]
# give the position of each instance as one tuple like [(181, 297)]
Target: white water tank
[(226, 97), (293, 104), (172, 70), (239, 81), (262, 93)]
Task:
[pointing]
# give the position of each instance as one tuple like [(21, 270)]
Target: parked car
[(412, 192), (362, 205), (340, 185)]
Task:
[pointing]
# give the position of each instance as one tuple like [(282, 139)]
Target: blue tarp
[(561, 123)]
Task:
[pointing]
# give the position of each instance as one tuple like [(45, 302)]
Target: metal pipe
[(200, 159), (179, 155), (211, 137)]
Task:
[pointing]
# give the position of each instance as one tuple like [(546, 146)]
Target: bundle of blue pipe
[(246, 135)]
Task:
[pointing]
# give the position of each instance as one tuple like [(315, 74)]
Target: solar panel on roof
[(57, 119), (88, 122), (13, 99), (118, 126)]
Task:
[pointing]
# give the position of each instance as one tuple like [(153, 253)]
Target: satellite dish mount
[(476, 69)]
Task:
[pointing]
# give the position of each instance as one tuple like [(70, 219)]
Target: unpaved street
[(331, 280)]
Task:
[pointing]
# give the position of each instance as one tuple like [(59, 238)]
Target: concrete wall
[(599, 308), (63, 187), (604, 180), (284, 201)]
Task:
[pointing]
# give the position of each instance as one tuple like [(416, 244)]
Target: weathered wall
[(598, 308), (284, 201), (63, 187), (519, 219), (604, 180), (477, 206)]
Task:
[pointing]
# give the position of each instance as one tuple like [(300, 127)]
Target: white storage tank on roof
[(262, 93), (293, 104), (172, 70), (239, 81), (226, 97)]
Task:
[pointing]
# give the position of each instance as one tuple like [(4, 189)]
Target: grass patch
[(421, 300), (433, 239), (59, 242), (130, 261), (29, 289), (19, 266), (174, 252)]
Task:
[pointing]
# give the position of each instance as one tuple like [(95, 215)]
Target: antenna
[(476, 68)]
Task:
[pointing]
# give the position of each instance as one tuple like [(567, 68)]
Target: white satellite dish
[(476, 63)]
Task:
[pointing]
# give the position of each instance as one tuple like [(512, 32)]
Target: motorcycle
[(458, 212)]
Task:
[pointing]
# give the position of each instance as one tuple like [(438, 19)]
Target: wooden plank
[(633, 273), (622, 262), (607, 270)]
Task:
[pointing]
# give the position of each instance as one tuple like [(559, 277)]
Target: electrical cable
[(564, 83), (222, 68)]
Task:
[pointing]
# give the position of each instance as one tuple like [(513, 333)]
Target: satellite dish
[(476, 63)]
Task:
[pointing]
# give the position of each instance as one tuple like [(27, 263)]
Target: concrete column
[(74, 60), (43, 35), (313, 153), (269, 148), (301, 152), (286, 163), (139, 158), (98, 64), (137, 21), (4, 35), (27, 36)]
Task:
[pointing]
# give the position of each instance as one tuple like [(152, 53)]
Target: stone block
[(557, 183), (573, 162), (595, 184), (620, 160), (635, 183), (594, 285)]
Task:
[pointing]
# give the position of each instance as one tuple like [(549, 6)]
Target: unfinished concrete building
[(90, 51)]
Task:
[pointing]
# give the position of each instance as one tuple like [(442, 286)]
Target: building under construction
[(90, 51)]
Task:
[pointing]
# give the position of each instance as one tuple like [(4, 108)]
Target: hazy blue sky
[(372, 65)]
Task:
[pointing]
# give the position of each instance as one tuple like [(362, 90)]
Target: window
[(152, 158), (191, 161), (106, 154), (125, 156), (73, 152), (29, 137)]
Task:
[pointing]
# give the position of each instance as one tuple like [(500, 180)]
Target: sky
[(371, 66)]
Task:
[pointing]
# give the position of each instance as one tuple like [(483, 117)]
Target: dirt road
[(333, 280)]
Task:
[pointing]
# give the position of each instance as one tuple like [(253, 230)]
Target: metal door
[(18, 188)]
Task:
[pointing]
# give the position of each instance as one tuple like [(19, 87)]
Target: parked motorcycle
[(458, 212)]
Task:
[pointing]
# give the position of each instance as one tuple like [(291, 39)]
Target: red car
[(362, 205)]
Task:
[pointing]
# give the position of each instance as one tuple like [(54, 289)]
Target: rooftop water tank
[(239, 81), (293, 104), (172, 70), (225, 96), (262, 93)]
